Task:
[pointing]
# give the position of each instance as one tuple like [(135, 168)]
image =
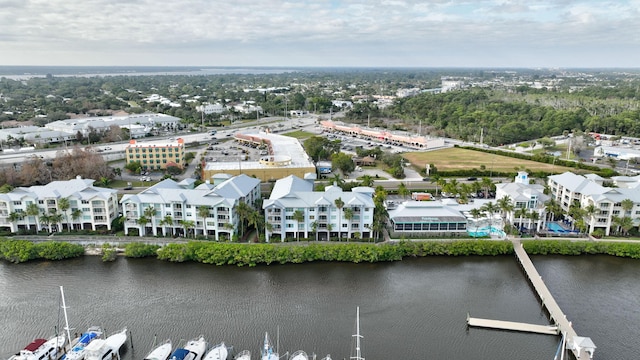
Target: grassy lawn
[(299, 134), (456, 159)]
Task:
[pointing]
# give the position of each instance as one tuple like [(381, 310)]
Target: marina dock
[(512, 326), (581, 347)]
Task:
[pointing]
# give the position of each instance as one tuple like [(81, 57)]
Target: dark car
[(426, 179), (472, 178)]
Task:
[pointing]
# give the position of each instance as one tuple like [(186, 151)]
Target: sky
[(321, 33)]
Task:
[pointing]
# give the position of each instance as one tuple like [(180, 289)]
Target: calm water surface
[(410, 309)]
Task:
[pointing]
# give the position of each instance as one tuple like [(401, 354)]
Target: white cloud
[(289, 33)]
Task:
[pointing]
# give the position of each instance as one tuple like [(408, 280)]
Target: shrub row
[(563, 247), (18, 251)]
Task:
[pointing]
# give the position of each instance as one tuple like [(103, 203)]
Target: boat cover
[(87, 337), (35, 344), (179, 354)]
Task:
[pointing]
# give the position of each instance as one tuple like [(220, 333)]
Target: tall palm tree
[(403, 190), (451, 187), (150, 213), (553, 208), (464, 190), (242, 210), (339, 204), (75, 215), (506, 207), (626, 223), (490, 208), (533, 217), (437, 180), (627, 205), (63, 206), (167, 220), (487, 185), (298, 216), (476, 213), (348, 215), (256, 218), (186, 225), (520, 213), (337, 180), (314, 228), (203, 212), (589, 211), (367, 180), (142, 221), (14, 217), (33, 210), (45, 220), (56, 218)]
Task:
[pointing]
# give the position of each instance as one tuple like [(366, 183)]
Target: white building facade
[(526, 197), (169, 208), (90, 207), (321, 214)]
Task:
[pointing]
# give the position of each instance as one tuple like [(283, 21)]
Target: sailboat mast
[(357, 336), (66, 318)]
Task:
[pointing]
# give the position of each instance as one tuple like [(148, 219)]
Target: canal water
[(414, 309)]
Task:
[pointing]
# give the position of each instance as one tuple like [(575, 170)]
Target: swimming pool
[(555, 227), (485, 231)]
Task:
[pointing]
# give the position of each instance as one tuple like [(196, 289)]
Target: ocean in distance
[(415, 308), (28, 72)]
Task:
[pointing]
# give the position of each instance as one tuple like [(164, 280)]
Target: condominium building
[(169, 207), (156, 155), (568, 189), (524, 196), (85, 206), (329, 213)]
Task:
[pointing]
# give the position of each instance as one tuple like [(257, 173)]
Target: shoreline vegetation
[(19, 251)]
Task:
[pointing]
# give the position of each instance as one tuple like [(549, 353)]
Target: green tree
[(33, 210), (76, 215), (342, 162), (298, 216), (403, 190), (367, 180), (321, 148), (339, 204), (348, 215), (14, 217), (203, 213), (143, 221), (150, 213), (167, 221), (242, 210), (506, 207), (63, 206)]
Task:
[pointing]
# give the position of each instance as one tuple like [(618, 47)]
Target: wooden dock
[(575, 343), (512, 326)]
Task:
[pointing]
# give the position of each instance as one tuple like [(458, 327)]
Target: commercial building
[(88, 207), (169, 207), (284, 156), (588, 192), (414, 141), (156, 155), (331, 213)]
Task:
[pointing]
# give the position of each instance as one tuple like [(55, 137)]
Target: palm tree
[(337, 180), (553, 208), (464, 190), (626, 223), (314, 228), (589, 211), (348, 215), (451, 187), (33, 210), (63, 206), (14, 217), (298, 216), (520, 213), (487, 185), (256, 219), (339, 204), (56, 218), (329, 228), (242, 210), (506, 206), (627, 205), (45, 219), (367, 180), (403, 190), (490, 208), (437, 180), (186, 225), (150, 213), (533, 217), (142, 221), (476, 213), (76, 214), (229, 227), (167, 220), (203, 212)]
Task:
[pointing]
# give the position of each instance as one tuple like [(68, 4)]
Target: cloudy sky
[(367, 33)]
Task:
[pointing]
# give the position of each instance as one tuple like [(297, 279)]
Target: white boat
[(243, 355), (299, 355), (160, 352), (77, 350), (328, 357), (192, 350), (268, 352), (106, 349), (357, 355), (41, 349), (218, 352)]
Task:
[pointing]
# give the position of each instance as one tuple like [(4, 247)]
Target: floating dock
[(512, 326), (581, 347)]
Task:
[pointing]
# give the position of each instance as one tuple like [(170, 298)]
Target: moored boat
[(41, 349), (268, 352), (243, 355), (160, 352), (357, 352), (218, 352), (104, 349), (77, 350), (299, 355), (192, 350)]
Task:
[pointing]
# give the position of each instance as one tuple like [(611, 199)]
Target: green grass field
[(299, 134), (457, 159)]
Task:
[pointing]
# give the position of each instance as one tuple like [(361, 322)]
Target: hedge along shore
[(258, 254)]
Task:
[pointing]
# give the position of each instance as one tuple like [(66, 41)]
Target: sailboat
[(561, 348), (160, 352), (268, 353), (357, 336)]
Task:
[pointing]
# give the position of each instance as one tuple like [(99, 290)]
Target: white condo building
[(320, 211), (569, 188), (89, 207), (527, 196), (176, 204)]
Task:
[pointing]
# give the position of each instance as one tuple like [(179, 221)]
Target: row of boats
[(93, 345)]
